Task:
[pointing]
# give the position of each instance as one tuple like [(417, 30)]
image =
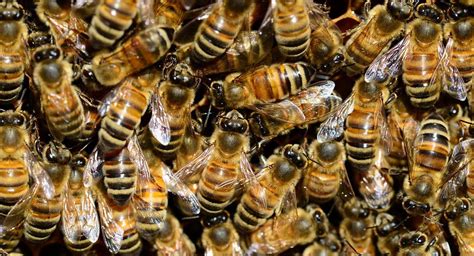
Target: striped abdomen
[(276, 82), (215, 35), (322, 183), (120, 176), (11, 238), (463, 59), (122, 118), (291, 25), (212, 195), (12, 69), (111, 19), (124, 217), (431, 148), (42, 217), (177, 126), (362, 135), (13, 183)]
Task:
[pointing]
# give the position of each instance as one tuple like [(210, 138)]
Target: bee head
[(11, 13), (233, 122), (456, 208), (217, 94), (48, 53), (415, 240), (182, 74), (430, 12), (295, 155), (56, 154), (400, 10)]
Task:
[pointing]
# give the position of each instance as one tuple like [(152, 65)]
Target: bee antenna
[(190, 217), (352, 247)]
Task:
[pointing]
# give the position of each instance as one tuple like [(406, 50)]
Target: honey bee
[(306, 107), (364, 116), (172, 240), (326, 175), (44, 212), (79, 218), (355, 228), (326, 246), (265, 84), (219, 237), (421, 243), (320, 219), (260, 201), (176, 94), (13, 60), (292, 26), (374, 36), (428, 158), (111, 19), (299, 231), (136, 53), (223, 22), (117, 225), (225, 163), (459, 214), (424, 62), (388, 231)]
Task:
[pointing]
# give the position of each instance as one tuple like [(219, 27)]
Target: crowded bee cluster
[(236, 127)]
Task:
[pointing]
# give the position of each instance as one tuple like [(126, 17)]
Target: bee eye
[(51, 156), (405, 242), (3, 121), (419, 240), (18, 120)]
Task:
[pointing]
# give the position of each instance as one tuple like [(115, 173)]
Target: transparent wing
[(288, 204), (384, 129), (452, 79), (283, 111), (16, 215), (112, 232), (146, 11), (376, 189), (159, 122), (92, 171), (388, 64), (61, 99), (333, 127), (177, 187), (40, 176), (195, 165), (136, 155), (346, 192), (111, 97)]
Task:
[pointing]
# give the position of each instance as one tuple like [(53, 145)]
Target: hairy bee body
[(285, 171), (172, 240), (460, 216), (291, 25), (462, 33), (219, 30), (120, 176), (221, 239), (111, 19), (13, 59), (136, 53), (323, 178), (373, 38)]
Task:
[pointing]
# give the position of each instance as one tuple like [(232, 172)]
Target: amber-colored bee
[(279, 234), (117, 225), (219, 30), (13, 60), (428, 157), (219, 236), (135, 54), (373, 37), (111, 19), (79, 217), (260, 201), (265, 84), (44, 212), (326, 246), (306, 107), (172, 240), (355, 228), (460, 214), (326, 175)]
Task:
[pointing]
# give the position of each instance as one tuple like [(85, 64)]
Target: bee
[(374, 36), (326, 47), (355, 228), (44, 212), (172, 240), (300, 230), (388, 231), (459, 214), (291, 24), (176, 94), (110, 20), (117, 225), (225, 163), (428, 157), (422, 243), (260, 201), (136, 53), (327, 246), (326, 175), (79, 217), (13, 60), (265, 84), (364, 116), (218, 31), (306, 107), (320, 219), (425, 63), (219, 236)]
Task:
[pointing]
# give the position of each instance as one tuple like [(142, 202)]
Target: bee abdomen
[(11, 239), (81, 245), (120, 177), (12, 70), (42, 218), (212, 195), (293, 38), (131, 243), (13, 184), (321, 187)]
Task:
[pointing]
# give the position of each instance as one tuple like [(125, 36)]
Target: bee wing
[(388, 64), (146, 11), (376, 189), (92, 172), (282, 111), (288, 204), (16, 215), (40, 176), (333, 127), (452, 79), (346, 192), (159, 122), (177, 187), (112, 232), (195, 165), (187, 32), (111, 97), (384, 129), (137, 157), (409, 131)]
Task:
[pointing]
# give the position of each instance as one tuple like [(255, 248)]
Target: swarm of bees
[(236, 127)]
